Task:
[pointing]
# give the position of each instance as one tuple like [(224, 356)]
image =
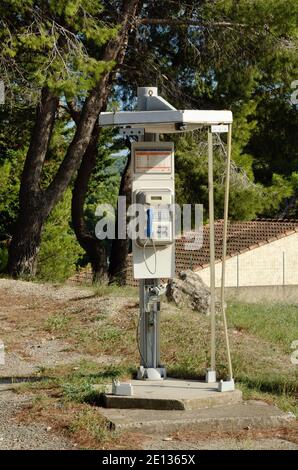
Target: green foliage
[(10, 170), (59, 250), (55, 44), (246, 198), (15, 127), (105, 179), (57, 322), (247, 66)]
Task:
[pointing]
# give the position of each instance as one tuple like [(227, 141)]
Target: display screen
[(153, 160)]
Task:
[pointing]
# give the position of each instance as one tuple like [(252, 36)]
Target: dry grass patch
[(289, 433), (81, 423)]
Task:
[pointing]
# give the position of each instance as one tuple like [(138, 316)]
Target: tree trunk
[(120, 247), (33, 210), (26, 239), (98, 256), (94, 248), (24, 247)]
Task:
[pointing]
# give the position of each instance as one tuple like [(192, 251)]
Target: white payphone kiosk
[(153, 189), (153, 193), (153, 186)]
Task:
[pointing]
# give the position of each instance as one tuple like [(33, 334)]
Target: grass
[(260, 336), (80, 422), (66, 399), (260, 342), (113, 290), (56, 323), (266, 372), (89, 422), (275, 323)]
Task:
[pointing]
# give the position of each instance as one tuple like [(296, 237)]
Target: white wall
[(275, 263)]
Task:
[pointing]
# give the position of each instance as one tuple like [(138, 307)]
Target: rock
[(189, 289)]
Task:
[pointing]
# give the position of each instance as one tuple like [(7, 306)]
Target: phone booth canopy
[(153, 188)]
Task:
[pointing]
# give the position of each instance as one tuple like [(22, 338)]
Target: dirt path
[(222, 444), (15, 435), (24, 310), (31, 344), (32, 318)]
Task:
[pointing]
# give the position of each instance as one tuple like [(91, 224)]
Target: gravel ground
[(47, 291), (35, 349), (222, 444), (17, 436)]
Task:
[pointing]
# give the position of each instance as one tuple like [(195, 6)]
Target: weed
[(113, 290), (78, 391), (57, 322), (91, 422)]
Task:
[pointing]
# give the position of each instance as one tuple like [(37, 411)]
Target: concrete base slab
[(221, 444), (172, 394), (244, 415)]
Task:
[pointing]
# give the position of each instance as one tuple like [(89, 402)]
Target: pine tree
[(67, 49)]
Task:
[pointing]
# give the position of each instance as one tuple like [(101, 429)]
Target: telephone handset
[(158, 218), (149, 225)]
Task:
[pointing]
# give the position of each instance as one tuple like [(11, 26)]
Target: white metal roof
[(169, 121)]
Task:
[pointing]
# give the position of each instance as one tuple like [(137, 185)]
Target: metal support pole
[(224, 250), (211, 377), (149, 324)]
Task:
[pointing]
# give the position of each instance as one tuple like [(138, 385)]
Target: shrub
[(59, 250)]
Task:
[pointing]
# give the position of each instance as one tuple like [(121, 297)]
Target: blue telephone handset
[(150, 214)]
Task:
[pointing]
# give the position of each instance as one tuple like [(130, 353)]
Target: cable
[(155, 256), (138, 342)]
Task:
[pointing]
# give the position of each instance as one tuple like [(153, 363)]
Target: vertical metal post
[(149, 325), (224, 250), (212, 247)]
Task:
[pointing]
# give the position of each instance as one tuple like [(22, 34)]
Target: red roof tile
[(242, 236)]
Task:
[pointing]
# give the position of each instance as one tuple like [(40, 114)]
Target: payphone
[(153, 188), (157, 218), (154, 197)]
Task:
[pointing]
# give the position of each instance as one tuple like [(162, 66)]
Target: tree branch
[(90, 111), (187, 22), (73, 111), (45, 118)]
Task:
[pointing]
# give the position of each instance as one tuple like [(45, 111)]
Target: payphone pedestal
[(149, 332)]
